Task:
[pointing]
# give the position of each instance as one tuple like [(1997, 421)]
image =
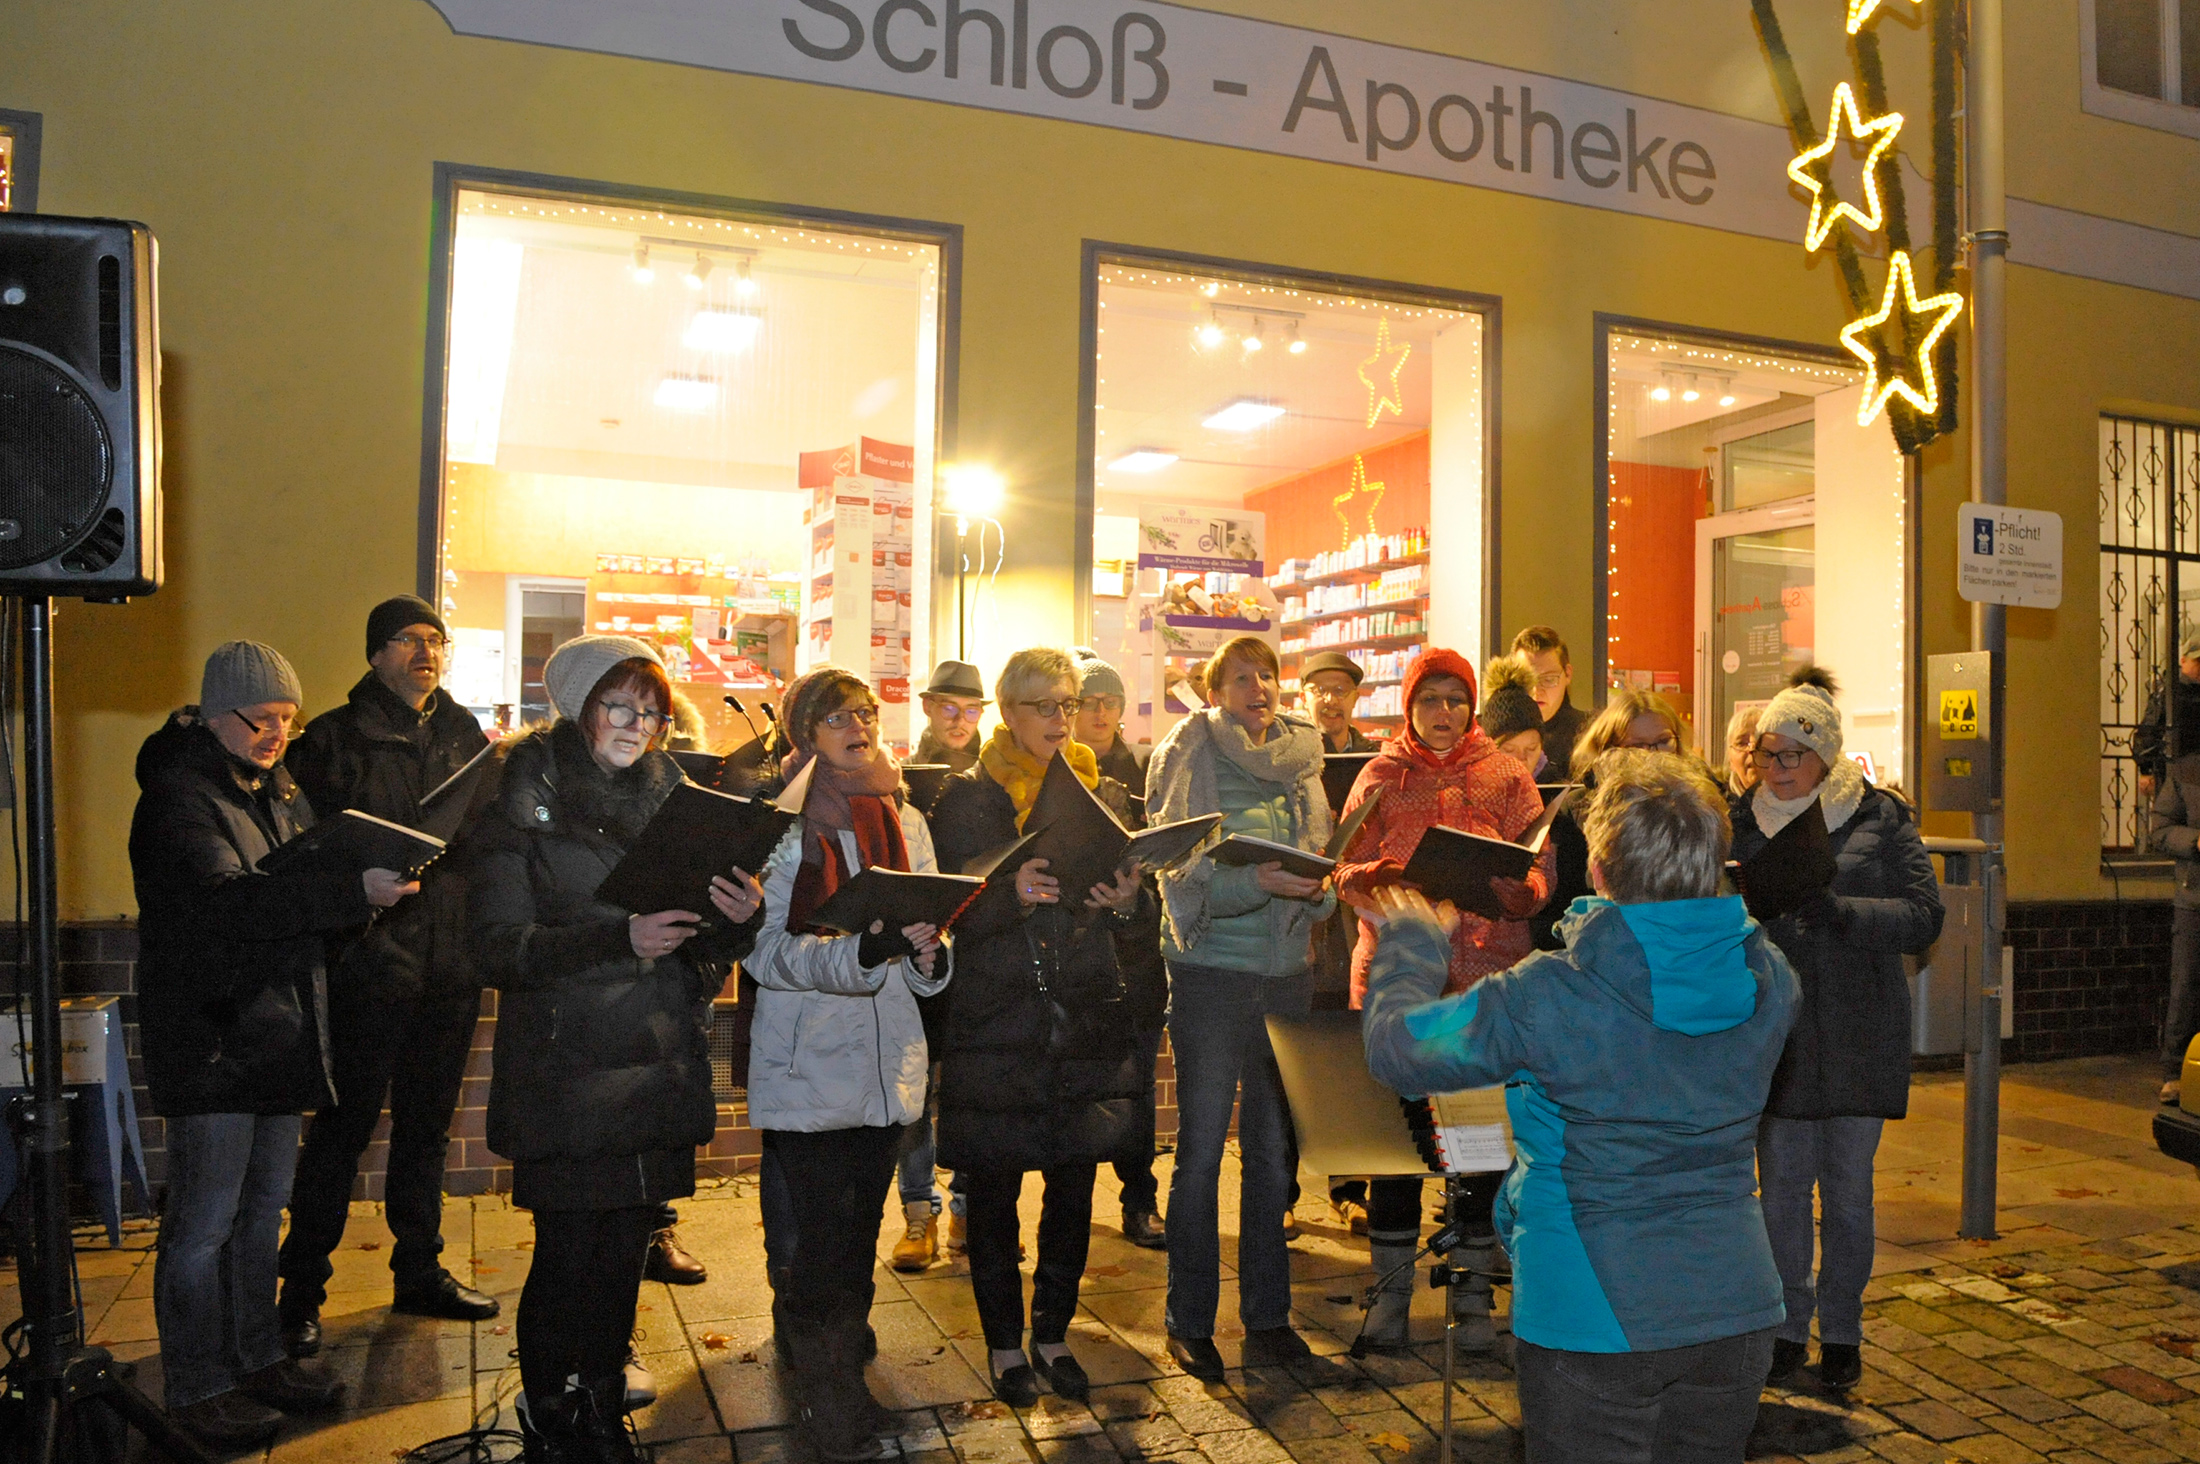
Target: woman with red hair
[(1440, 768)]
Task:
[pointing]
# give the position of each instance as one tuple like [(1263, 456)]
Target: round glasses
[(624, 714), (847, 717)]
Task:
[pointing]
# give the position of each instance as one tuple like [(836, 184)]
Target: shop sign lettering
[(1174, 71)]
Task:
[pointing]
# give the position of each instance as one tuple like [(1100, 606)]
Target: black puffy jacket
[(1037, 1052), (378, 755), (600, 1092), (1849, 1052), (232, 975)]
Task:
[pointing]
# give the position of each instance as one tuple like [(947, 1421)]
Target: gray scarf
[(1180, 784)]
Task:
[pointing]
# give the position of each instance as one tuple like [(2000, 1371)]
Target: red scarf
[(861, 803)]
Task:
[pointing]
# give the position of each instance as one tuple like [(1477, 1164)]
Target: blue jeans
[(1834, 1156), (214, 1278), (915, 1172), (1219, 1033)]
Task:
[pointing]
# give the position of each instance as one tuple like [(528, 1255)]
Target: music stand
[(1348, 1123)]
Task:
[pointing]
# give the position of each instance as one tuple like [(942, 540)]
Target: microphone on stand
[(735, 702)]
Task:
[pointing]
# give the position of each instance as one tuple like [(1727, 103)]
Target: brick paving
[(2071, 1338)]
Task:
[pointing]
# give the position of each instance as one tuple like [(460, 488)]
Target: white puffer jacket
[(836, 1045)]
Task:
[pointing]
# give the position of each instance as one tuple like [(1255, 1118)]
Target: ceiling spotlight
[(1253, 341), (1210, 288), (698, 272), (1727, 400), (1243, 415), (640, 269), (744, 285), (1295, 345), (1661, 393), (687, 393), (729, 332), (1209, 335), (973, 490), (1143, 460), (1691, 394)]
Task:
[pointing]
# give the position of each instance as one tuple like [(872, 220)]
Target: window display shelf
[(1361, 575), (1374, 643), (1350, 610)]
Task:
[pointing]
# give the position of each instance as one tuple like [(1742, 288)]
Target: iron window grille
[(2149, 577)]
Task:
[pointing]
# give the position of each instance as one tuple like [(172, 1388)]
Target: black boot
[(550, 1430), (836, 1421), (601, 1421), (854, 1344)]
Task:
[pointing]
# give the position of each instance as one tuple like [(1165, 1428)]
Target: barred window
[(2150, 579)]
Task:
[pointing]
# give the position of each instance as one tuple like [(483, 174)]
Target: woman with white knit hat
[(1847, 1065)]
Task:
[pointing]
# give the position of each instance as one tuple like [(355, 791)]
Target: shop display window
[(1301, 460), (1753, 527), (716, 434)]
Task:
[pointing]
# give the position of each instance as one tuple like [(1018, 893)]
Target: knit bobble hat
[(1095, 677), (574, 668), (1805, 713), (1508, 702), (386, 620), (245, 674), (812, 697)]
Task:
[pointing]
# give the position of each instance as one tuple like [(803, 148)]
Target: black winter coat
[(1849, 1052), (378, 755), (601, 1091), (1038, 1064), (1571, 847), (232, 977)]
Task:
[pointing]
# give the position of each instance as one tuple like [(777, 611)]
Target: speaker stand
[(79, 1410)]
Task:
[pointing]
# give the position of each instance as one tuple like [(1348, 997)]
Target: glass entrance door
[(1756, 607)]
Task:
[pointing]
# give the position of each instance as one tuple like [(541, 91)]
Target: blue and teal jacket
[(1635, 1064)]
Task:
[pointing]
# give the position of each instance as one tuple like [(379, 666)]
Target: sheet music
[(1473, 1130)]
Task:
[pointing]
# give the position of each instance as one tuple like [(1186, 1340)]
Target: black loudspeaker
[(79, 409)]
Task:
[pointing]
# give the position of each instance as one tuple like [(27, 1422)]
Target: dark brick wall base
[(2092, 977)]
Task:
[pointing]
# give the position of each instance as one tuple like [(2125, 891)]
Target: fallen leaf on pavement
[(1107, 1270), (748, 1357), (2176, 1344), (1397, 1443), (2004, 1270), (370, 1245), (2078, 1194), (716, 1341)]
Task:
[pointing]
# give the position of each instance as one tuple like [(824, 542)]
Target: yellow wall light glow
[(1861, 12), (1901, 295), (1813, 169)]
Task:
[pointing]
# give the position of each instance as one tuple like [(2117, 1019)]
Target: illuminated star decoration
[(1900, 365), (1814, 169), (1382, 398), (1361, 488), (1861, 12)]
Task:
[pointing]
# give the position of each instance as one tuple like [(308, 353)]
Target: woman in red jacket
[(1440, 768)]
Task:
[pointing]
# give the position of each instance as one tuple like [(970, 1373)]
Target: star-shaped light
[(1814, 169), (1901, 296), (1861, 11), (1384, 398), (1361, 488)]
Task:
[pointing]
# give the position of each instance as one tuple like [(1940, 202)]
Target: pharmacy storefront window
[(1305, 461), (716, 434), (1754, 527)]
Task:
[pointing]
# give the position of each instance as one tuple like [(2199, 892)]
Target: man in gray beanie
[(231, 990), (405, 1000), (1099, 721)]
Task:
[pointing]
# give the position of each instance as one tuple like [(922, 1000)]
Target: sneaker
[(293, 1386), (919, 1243), (641, 1387), (227, 1419), (1840, 1365)]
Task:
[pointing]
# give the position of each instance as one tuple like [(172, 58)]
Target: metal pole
[(1984, 188)]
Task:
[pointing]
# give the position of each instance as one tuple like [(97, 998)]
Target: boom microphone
[(735, 702)]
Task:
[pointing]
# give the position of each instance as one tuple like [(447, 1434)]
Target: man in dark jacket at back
[(405, 999), (231, 991)]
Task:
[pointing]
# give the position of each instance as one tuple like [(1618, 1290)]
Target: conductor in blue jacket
[(1635, 1063)]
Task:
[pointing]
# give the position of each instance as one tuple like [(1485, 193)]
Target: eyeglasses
[(847, 717), (434, 643), (1107, 703), (949, 711), (1430, 702), (1333, 693), (285, 729), (1064, 706), (1789, 760), (1550, 681), (1663, 744), (626, 714)]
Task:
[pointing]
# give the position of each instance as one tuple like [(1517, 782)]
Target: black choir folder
[(1795, 866), (445, 808), (696, 833), (352, 842), (1248, 849), (1340, 770), (926, 782), (892, 898), (1452, 864), (1084, 844)]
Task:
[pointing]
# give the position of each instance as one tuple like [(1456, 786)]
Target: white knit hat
[(1805, 714), (575, 667)]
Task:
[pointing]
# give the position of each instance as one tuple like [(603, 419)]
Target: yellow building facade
[(308, 169)]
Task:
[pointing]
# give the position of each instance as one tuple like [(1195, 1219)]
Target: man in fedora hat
[(953, 701)]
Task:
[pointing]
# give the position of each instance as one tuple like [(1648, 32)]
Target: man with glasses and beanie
[(405, 998), (953, 702), (232, 985), (1331, 683)]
